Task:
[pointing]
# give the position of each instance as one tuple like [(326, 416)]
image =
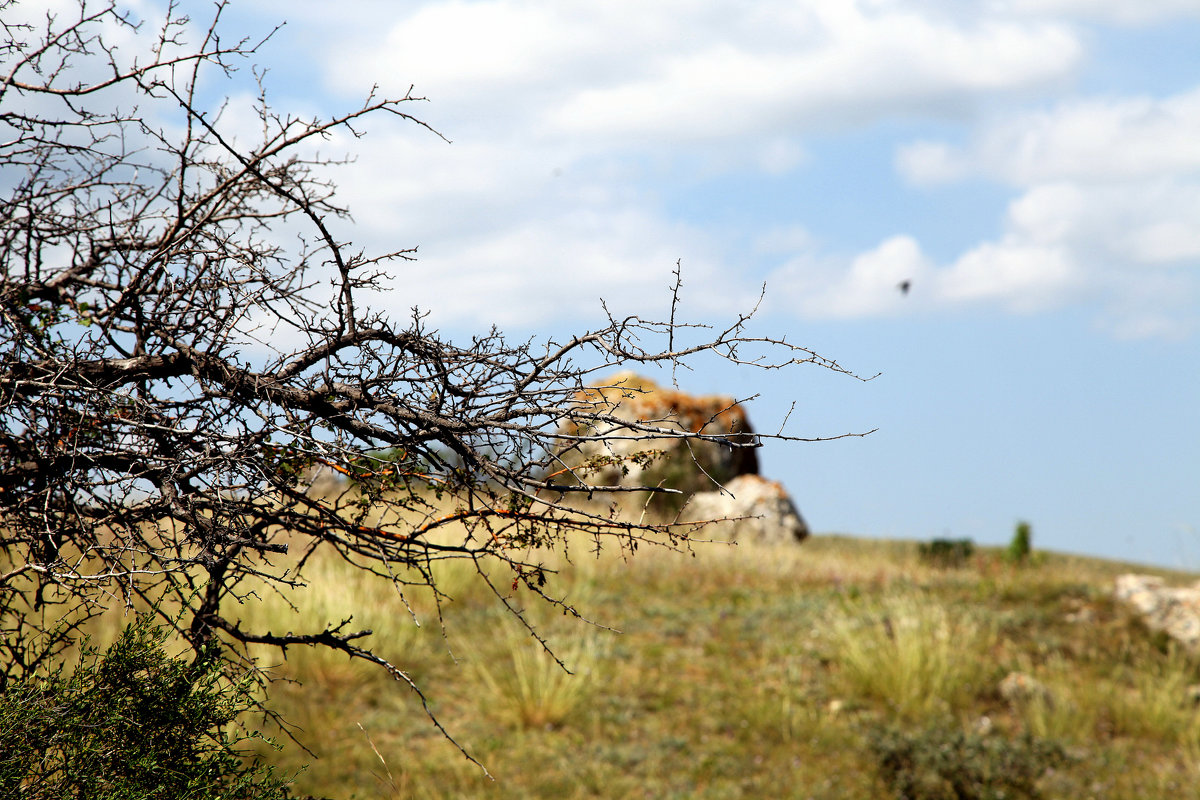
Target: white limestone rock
[(1172, 610), (747, 508)]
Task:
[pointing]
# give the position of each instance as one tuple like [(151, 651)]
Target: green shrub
[(1021, 546), (131, 724), (940, 763), (946, 552)]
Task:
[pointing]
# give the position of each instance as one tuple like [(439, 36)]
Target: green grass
[(736, 672), (742, 672)]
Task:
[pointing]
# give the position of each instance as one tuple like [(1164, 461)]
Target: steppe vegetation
[(738, 671), (172, 373), (841, 668)]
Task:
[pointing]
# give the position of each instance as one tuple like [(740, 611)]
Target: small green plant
[(1021, 546), (946, 552), (938, 763), (132, 724)]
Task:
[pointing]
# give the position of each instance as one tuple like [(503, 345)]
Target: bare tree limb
[(154, 450)]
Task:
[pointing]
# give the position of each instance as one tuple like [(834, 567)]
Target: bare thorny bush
[(155, 449)]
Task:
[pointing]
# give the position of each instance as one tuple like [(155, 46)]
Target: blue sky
[(1031, 166)]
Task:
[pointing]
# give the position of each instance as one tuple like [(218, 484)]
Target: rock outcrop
[(748, 508), (1173, 610), (627, 454), (717, 477)]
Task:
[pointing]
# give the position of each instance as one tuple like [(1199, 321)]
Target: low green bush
[(946, 552), (132, 723), (941, 763)]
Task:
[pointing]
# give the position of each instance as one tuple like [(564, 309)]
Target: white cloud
[(1135, 12), (925, 163), (556, 110), (861, 67), (1108, 207), (507, 236), (1138, 223), (869, 285), (896, 277), (1168, 240), (1049, 214), (1129, 249), (1022, 276), (539, 272), (1096, 139), (675, 71), (578, 126)]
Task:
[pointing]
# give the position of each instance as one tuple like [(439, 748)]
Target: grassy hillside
[(815, 671)]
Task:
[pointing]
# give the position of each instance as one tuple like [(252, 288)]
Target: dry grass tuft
[(526, 685), (913, 653)]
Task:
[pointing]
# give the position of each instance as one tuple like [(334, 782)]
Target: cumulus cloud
[(1144, 222), (563, 114), (1025, 277), (862, 66), (561, 268), (1109, 193), (1131, 250), (672, 71), (1094, 139), (870, 284), (897, 277), (581, 130)]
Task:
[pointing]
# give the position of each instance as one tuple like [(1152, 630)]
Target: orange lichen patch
[(629, 395), (628, 431)]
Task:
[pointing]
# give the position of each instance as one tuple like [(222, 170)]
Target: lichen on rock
[(640, 434)]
